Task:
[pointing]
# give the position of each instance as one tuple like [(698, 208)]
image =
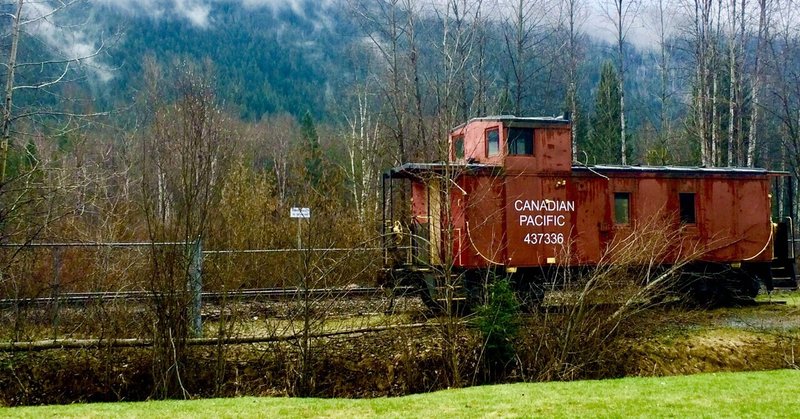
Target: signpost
[(300, 214)]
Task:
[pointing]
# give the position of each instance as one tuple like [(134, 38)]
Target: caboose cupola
[(520, 144)]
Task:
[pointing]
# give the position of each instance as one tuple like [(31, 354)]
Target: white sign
[(300, 213)]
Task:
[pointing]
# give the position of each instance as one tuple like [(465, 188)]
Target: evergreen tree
[(313, 153), (603, 144)]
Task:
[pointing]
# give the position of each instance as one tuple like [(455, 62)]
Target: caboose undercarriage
[(698, 283)]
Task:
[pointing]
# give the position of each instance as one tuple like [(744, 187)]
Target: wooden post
[(196, 287), (55, 289)]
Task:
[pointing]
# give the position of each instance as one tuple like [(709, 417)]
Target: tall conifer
[(603, 144)]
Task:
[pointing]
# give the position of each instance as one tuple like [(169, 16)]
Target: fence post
[(55, 290), (196, 287)]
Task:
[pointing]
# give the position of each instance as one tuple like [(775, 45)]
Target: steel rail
[(61, 344), (332, 249), (96, 244), (205, 252), (78, 298)]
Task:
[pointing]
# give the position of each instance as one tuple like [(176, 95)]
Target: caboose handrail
[(766, 245), (469, 236), (791, 235)]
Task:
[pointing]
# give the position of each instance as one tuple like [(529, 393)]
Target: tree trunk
[(12, 66), (756, 84), (620, 51)]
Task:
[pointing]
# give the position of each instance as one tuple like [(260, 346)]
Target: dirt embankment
[(671, 341), (759, 337)]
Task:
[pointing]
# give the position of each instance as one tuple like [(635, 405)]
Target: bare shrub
[(184, 158), (579, 334)]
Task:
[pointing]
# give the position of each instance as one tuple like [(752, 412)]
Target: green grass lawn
[(792, 298), (758, 394)]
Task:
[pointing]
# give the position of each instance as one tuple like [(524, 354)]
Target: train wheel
[(745, 287), (428, 294), (722, 288), (441, 297), (703, 287)]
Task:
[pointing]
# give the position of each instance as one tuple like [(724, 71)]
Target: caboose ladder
[(783, 264)]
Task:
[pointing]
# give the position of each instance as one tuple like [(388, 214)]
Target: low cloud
[(75, 44), (195, 11), (75, 38), (199, 12)]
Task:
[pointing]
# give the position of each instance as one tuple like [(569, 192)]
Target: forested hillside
[(272, 60), (264, 63)]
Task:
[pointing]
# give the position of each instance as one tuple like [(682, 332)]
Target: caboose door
[(435, 218)]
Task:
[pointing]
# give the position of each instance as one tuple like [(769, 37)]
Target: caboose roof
[(418, 169), (521, 120), (679, 169)]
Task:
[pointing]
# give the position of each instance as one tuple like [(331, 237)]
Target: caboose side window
[(520, 141), (622, 208), (458, 147), (492, 142), (688, 215)]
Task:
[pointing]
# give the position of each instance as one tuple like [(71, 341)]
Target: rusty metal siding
[(731, 215), (458, 200), (484, 226), (539, 219), (475, 144), (419, 203)]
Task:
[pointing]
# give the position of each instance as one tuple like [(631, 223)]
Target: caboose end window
[(458, 147), (492, 142), (520, 141), (687, 208), (622, 207)]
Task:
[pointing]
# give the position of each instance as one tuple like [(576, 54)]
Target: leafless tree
[(662, 18), (784, 90), (278, 137), (701, 36), (42, 75), (763, 38), (573, 16), (460, 21), (736, 37), (622, 15), (525, 31), (392, 28), (364, 151), (184, 156)]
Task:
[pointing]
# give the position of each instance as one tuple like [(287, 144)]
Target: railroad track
[(79, 298)]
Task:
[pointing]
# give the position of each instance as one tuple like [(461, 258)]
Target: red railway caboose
[(510, 201)]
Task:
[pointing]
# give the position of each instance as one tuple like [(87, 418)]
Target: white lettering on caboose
[(544, 213), (543, 205), (540, 220)]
